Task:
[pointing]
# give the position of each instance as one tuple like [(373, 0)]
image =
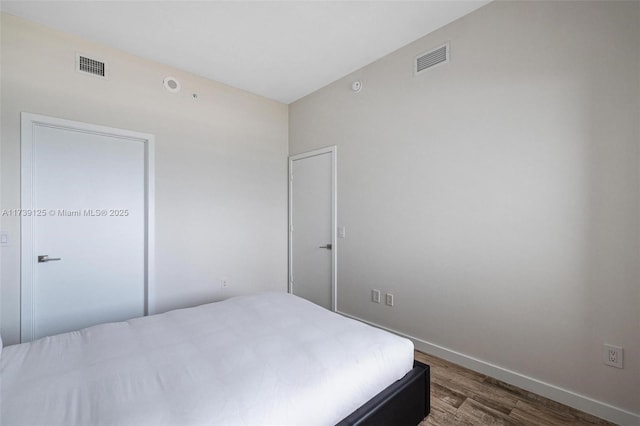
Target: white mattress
[(255, 360)]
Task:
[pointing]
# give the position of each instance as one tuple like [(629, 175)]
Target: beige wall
[(498, 197), (221, 160)]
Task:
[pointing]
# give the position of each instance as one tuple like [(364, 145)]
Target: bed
[(266, 359)]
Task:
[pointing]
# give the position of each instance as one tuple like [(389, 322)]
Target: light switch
[(4, 238), (341, 232)]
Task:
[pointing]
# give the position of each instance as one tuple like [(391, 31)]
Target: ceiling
[(282, 50)]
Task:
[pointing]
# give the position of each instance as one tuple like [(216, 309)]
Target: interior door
[(85, 240), (312, 227)]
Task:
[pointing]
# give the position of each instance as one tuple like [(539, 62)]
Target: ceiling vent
[(91, 66), (431, 59)]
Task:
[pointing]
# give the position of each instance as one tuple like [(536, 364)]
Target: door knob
[(43, 258), (328, 246)]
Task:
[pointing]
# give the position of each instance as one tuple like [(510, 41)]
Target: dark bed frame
[(405, 402)]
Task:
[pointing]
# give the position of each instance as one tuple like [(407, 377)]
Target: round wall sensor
[(171, 84), (356, 86)]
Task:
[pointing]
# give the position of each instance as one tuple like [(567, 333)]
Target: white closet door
[(312, 199), (89, 196)]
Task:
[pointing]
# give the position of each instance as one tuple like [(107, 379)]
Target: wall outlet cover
[(389, 299), (224, 282), (613, 355)]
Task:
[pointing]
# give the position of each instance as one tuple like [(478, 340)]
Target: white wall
[(221, 162), (498, 197)]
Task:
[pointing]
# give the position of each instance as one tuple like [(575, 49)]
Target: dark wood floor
[(463, 397)]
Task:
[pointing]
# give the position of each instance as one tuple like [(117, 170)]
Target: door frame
[(333, 150), (27, 235)]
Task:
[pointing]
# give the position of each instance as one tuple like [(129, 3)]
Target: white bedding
[(265, 359)]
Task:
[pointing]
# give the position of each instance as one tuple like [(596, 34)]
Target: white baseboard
[(555, 393)]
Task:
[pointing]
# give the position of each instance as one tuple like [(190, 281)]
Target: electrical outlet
[(224, 282), (389, 299), (375, 296), (613, 355)]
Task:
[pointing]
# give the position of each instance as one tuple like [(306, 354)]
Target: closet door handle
[(328, 246), (43, 258)]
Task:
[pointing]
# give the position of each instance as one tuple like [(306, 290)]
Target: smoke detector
[(171, 84)]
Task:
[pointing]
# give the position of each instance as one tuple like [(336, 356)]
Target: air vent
[(431, 59), (91, 66)]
